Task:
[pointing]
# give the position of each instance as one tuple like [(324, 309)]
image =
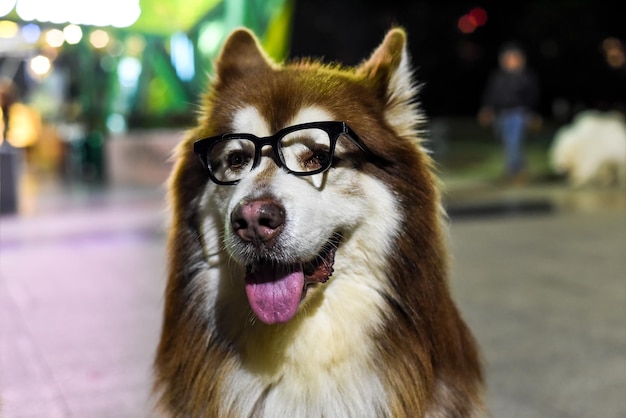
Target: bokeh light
[(467, 24), (99, 38), (6, 6), (31, 33), (182, 56), (72, 34), (135, 45), (116, 123), (117, 13), (8, 29), (471, 21), (479, 15), (115, 48), (128, 71), (40, 65), (55, 38), (210, 37)]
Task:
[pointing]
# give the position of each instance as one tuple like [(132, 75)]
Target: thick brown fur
[(426, 358)]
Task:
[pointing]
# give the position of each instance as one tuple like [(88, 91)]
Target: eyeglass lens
[(301, 151)]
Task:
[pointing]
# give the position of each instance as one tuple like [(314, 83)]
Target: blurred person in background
[(8, 160), (508, 104), (7, 99), (20, 129)]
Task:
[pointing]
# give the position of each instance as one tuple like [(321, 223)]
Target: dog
[(591, 150), (307, 257)]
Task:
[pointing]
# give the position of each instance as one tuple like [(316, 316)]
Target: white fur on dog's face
[(341, 200), (316, 206)]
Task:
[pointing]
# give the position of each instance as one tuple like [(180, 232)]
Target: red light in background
[(479, 15), (467, 24)]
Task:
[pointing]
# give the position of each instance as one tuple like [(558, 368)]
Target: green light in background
[(211, 35)]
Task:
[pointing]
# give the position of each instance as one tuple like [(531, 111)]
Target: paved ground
[(80, 306), (544, 290), (546, 297)]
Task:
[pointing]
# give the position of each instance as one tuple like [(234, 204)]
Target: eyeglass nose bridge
[(261, 143)]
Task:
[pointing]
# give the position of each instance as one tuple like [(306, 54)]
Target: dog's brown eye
[(238, 160), (316, 160)]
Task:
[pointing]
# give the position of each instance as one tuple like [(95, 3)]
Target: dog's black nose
[(258, 221)]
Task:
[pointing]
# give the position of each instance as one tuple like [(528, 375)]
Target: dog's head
[(293, 171)]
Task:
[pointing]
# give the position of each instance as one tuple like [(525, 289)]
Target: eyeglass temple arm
[(356, 139), (374, 158)]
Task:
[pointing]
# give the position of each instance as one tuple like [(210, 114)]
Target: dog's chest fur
[(332, 378)]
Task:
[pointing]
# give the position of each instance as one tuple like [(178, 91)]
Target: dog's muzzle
[(274, 288)]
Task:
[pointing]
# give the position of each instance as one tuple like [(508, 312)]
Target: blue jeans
[(511, 129)]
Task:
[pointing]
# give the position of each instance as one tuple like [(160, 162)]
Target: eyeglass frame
[(334, 129)]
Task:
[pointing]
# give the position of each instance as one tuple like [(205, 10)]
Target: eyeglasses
[(302, 150)]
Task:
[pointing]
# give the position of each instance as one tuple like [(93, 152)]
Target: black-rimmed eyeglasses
[(302, 150)]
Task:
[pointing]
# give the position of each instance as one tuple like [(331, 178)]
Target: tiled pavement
[(81, 295), (80, 307)]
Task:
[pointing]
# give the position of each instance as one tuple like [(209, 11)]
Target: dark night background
[(563, 41)]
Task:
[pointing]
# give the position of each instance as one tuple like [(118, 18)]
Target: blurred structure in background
[(91, 71), (106, 87)]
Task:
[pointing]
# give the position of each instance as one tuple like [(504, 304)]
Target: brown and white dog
[(307, 261)]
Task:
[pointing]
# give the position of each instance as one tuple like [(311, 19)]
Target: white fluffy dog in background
[(592, 149)]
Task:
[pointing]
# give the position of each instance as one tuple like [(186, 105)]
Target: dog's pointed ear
[(241, 53), (389, 70)]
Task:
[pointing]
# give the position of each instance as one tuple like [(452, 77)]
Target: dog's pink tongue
[(274, 293)]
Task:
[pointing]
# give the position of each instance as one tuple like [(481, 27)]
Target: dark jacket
[(508, 90)]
